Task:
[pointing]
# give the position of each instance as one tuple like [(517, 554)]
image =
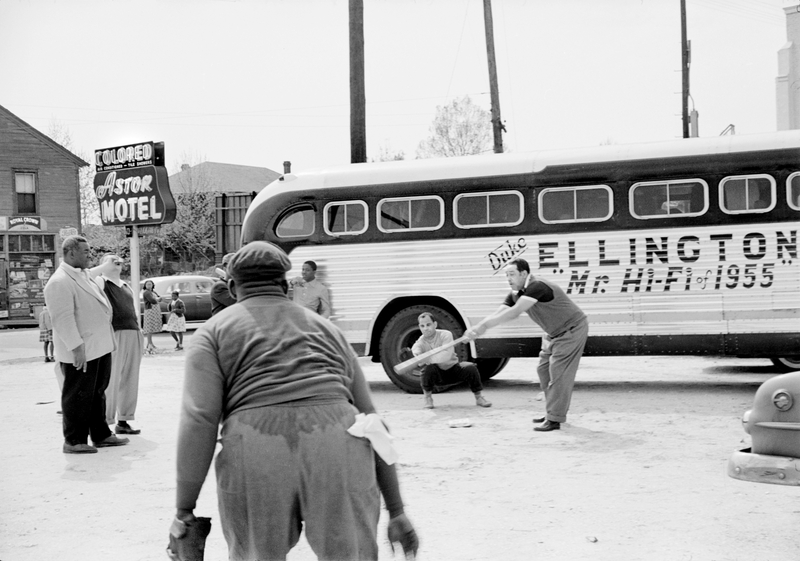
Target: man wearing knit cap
[(285, 386)]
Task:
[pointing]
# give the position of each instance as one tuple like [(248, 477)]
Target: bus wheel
[(400, 334), (489, 367), (787, 364)]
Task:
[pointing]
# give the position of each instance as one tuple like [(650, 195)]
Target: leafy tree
[(191, 238), (190, 241), (460, 128)]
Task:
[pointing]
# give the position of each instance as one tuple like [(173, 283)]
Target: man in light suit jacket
[(83, 339)]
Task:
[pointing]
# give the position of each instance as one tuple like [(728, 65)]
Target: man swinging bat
[(566, 329), (443, 367)]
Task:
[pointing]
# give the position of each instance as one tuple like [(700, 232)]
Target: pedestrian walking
[(151, 322), (46, 334), (176, 324)]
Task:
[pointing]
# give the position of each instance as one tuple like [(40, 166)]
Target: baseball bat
[(408, 365)]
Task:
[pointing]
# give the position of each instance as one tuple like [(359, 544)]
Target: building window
[(411, 213), (346, 218), (25, 186), (745, 194), (481, 210), (591, 203), (662, 199)]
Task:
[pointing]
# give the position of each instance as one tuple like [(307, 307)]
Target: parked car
[(774, 428), (195, 291)]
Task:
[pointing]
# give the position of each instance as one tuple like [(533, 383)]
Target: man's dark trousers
[(83, 401), (433, 376)]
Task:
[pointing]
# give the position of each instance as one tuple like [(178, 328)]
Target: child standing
[(46, 334), (176, 324)]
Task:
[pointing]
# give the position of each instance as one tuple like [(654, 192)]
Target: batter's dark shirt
[(553, 311)]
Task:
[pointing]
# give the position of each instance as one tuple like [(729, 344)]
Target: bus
[(684, 247)]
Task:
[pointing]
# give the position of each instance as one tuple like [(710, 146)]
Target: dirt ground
[(638, 472)]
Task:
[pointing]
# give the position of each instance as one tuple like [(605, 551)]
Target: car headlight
[(782, 400), (746, 421)]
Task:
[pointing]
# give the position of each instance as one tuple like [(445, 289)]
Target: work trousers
[(433, 376), (83, 401), (283, 467), (558, 364), (122, 393)]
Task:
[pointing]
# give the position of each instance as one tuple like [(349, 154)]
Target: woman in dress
[(152, 315), (176, 324)]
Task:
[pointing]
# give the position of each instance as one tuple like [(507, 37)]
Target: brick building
[(39, 202)]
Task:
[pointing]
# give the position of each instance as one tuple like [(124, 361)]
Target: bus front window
[(298, 222)]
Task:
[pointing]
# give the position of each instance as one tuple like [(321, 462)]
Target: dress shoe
[(126, 429), (548, 426), (79, 449), (538, 420), (111, 441), (482, 402)]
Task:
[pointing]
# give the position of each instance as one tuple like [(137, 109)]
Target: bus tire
[(787, 363), (400, 334), (489, 367)]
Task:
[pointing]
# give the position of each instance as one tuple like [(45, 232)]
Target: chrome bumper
[(761, 468)]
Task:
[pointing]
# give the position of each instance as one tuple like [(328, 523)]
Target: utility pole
[(358, 100), (497, 124), (685, 60)]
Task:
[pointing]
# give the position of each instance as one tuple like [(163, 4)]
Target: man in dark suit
[(83, 339), (220, 295)]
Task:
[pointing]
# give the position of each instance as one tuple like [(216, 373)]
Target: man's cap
[(258, 261), (227, 259)]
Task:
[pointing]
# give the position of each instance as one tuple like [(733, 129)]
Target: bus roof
[(406, 171)]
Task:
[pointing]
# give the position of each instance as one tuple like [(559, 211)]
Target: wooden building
[(39, 203)]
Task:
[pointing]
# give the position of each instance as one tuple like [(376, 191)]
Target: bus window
[(346, 218), (410, 213), (503, 208), (575, 204), (296, 223), (793, 190), (668, 198), (747, 193)]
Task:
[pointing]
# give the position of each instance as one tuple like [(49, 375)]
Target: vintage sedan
[(194, 290), (774, 427)]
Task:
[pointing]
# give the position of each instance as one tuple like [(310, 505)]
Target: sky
[(260, 82)]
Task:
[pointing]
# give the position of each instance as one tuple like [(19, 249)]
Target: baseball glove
[(187, 539)]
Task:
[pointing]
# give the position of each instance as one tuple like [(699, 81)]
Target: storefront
[(27, 260)]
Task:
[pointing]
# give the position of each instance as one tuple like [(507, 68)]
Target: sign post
[(132, 189)]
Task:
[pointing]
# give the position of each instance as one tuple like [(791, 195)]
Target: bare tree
[(90, 208), (386, 154), (460, 128)]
